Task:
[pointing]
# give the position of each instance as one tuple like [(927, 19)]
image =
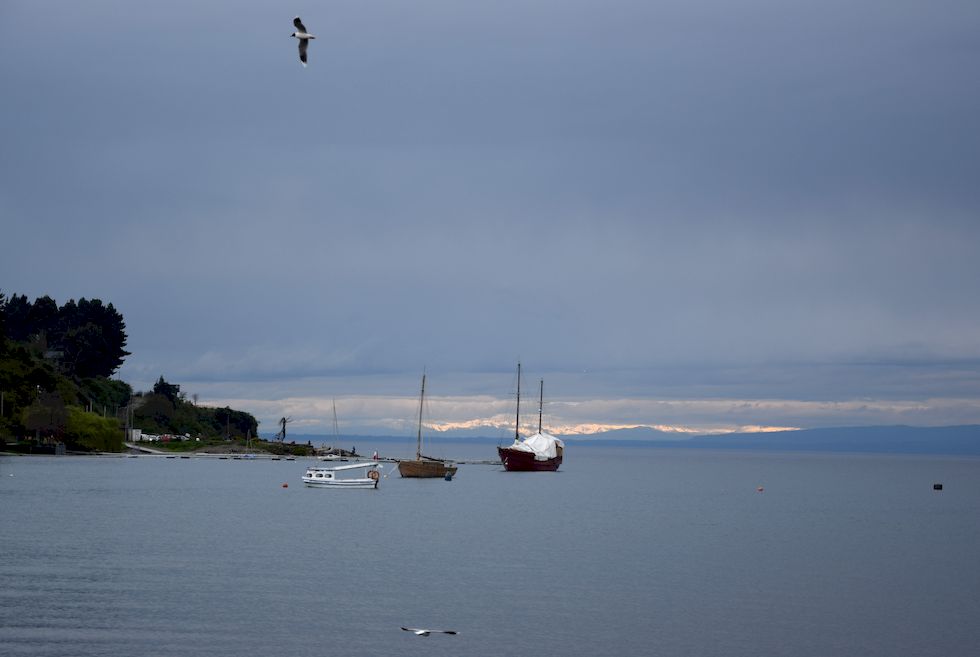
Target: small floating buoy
[(759, 489), (937, 487), (285, 485)]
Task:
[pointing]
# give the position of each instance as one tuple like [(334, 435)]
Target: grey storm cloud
[(698, 200)]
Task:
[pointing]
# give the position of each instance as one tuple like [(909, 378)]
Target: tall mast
[(418, 444), (517, 423), (540, 405)]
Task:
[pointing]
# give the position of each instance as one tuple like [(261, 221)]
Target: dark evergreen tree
[(169, 390), (3, 322), (17, 312), (43, 316), (91, 337)]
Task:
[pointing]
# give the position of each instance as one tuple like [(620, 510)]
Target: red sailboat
[(541, 452)]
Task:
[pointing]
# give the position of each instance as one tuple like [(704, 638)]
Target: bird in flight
[(417, 631), (304, 38)]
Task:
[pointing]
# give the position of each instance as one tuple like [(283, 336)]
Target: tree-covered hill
[(56, 364), (167, 411)]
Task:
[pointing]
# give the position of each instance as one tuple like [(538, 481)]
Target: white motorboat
[(355, 475)]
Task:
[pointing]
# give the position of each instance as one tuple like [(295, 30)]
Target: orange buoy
[(285, 485)]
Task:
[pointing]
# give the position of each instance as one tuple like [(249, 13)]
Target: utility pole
[(128, 421)]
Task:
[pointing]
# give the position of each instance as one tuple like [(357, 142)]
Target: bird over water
[(304, 38), (418, 631)]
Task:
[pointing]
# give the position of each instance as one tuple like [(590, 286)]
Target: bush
[(93, 432)]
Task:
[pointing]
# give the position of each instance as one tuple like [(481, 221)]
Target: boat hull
[(516, 460), (425, 469), (343, 483)]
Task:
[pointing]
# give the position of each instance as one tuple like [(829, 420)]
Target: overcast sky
[(696, 214)]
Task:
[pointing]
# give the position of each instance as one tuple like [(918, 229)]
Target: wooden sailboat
[(541, 452), (425, 467)]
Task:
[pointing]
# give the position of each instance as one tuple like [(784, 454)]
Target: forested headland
[(57, 364)]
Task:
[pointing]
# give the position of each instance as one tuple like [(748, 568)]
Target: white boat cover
[(543, 445)]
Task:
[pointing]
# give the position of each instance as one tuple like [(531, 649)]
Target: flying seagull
[(417, 631), (304, 38)]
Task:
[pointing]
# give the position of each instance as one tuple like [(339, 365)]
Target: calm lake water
[(624, 551)]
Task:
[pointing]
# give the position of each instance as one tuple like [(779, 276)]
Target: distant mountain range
[(900, 439), (637, 433), (962, 440)]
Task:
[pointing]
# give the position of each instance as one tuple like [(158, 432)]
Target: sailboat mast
[(418, 443), (517, 422), (540, 405)]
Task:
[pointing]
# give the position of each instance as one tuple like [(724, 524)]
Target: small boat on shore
[(335, 454), (354, 475)]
